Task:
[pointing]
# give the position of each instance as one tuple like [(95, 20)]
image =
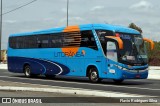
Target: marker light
[(138, 76), (117, 35)]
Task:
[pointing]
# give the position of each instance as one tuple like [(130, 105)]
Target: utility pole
[(67, 10), (0, 30)]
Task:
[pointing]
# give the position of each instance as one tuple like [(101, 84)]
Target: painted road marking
[(80, 83), (70, 90)]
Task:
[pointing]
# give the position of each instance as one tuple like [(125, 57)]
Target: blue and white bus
[(96, 51)]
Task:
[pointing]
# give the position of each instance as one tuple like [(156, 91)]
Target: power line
[(19, 7)]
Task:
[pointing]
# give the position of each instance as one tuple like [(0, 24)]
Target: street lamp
[(67, 10), (0, 30)]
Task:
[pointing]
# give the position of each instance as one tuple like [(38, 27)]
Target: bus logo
[(70, 53)]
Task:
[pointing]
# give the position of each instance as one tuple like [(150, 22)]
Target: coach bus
[(96, 51)]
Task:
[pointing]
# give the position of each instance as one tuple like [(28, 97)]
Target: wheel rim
[(93, 76), (27, 71)]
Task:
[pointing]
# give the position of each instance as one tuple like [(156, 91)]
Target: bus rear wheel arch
[(92, 74), (27, 71)]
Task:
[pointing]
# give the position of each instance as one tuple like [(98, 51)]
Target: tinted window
[(54, 40), (12, 42), (101, 35), (30, 42), (88, 40), (71, 39), (20, 41), (42, 41)]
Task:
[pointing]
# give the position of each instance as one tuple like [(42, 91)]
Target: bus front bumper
[(134, 75), (123, 73)]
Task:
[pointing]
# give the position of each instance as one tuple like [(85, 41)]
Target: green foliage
[(134, 26), (154, 57)]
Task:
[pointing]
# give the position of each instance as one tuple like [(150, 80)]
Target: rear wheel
[(93, 75), (27, 71)]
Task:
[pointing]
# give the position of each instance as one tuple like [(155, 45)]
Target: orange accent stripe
[(149, 41), (71, 29), (118, 39)]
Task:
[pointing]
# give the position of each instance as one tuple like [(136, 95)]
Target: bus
[(96, 51)]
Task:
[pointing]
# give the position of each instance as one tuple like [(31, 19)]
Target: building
[(3, 56)]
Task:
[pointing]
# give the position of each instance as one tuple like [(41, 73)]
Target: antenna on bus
[(67, 10)]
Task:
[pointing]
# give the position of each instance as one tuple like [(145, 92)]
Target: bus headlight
[(120, 67), (124, 69)]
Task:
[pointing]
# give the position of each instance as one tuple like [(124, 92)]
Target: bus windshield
[(134, 52)]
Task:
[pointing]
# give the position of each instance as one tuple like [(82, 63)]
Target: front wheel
[(93, 75)]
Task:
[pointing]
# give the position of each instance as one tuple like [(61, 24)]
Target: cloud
[(72, 19), (45, 14), (97, 8), (142, 5), (10, 21), (48, 19), (77, 18)]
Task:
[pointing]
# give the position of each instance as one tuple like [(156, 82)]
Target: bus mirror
[(149, 41), (118, 40)]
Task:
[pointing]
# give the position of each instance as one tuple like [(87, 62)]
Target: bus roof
[(115, 28)]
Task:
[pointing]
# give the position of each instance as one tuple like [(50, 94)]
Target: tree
[(134, 26)]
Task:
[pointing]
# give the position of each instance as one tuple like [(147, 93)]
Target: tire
[(27, 71), (118, 81), (93, 75)]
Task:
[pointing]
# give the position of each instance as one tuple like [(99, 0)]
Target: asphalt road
[(140, 86), (58, 100)]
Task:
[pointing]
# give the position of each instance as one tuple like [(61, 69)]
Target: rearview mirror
[(149, 41)]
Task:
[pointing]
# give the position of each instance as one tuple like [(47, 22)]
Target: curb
[(154, 67), (86, 92)]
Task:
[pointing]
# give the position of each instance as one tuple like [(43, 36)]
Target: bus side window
[(101, 35), (111, 51), (55, 40), (88, 40), (30, 42), (39, 44), (42, 41), (12, 42)]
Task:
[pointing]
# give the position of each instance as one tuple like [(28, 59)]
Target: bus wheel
[(27, 71), (118, 81), (93, 75)]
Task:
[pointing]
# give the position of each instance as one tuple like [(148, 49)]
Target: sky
[(45, 14)]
